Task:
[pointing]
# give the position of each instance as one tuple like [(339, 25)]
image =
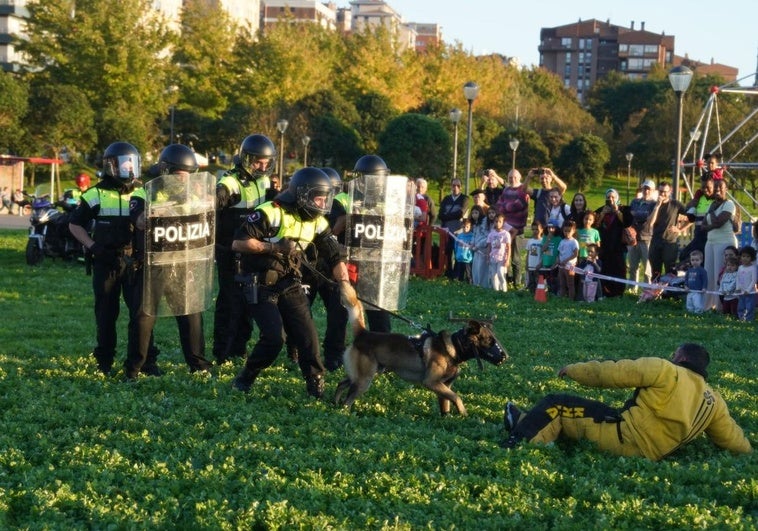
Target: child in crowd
[(590, 287), (464, 254), (728, 287), (534, 255), (587, 234), (499, 251), (746, 284), (550, 242), (480, 262), (696, 281), (568, 252)]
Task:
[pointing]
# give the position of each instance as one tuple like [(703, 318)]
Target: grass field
[(79, 450)]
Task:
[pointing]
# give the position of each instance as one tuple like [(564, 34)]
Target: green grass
[(78, 450)]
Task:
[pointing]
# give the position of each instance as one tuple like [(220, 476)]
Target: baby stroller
[(673, 279)]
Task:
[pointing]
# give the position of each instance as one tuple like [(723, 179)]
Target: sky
[(703, 30)]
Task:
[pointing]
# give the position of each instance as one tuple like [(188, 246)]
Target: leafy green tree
[(13, 106), (61, 117), (336, 145), (202, 63), (113, 53), (531, 152), (374, 111), (582, 161), (417, 146)]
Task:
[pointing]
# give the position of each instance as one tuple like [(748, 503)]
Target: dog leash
[(396, 315)]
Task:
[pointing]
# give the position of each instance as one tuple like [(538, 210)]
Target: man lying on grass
[(671, 405)]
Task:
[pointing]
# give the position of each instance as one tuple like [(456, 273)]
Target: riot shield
[(179, 242), (378, 236)]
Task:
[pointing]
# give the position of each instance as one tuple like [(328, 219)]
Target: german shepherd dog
[(431, 360)]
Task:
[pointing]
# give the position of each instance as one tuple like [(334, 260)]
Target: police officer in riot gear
[(179, 161), (272, 240), (378, 320), (238, 192), (110, 246)]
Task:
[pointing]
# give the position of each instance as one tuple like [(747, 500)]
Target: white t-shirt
[(724, 233)]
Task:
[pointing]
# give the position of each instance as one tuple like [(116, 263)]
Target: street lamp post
[(470, 91), (679, 77), (629, 157), (171, 135), (306, 141), (695, 135), (514, 146), (455, 117), (281, 126)]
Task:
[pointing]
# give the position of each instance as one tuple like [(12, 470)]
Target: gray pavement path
[(13, 221)]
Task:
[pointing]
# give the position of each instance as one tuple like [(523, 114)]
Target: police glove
[(285, 247), (102, 254)]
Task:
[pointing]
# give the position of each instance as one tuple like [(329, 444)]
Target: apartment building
[(13, 13), (583, 52)]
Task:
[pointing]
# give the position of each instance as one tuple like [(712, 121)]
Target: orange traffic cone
[(540, 294)]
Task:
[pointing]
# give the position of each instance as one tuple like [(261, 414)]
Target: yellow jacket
[(672, 406)]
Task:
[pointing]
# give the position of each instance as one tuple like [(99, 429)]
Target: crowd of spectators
[(630, 246)]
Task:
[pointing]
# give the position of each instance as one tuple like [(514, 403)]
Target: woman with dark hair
[(578, 209), (610, 221), (717, 224)]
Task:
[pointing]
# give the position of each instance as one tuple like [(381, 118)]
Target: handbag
[(629, 236)]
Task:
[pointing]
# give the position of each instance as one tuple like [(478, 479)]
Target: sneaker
[(511, 416)]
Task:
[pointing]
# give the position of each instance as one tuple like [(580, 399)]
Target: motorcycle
[(48, 232)]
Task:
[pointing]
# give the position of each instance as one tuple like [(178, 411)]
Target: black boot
[(244, 380), (315, 385)]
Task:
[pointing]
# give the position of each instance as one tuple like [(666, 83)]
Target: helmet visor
[(124, 167), (257, 166), (317, 200)]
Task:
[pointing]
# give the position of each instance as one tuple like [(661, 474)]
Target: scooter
[(49, 234)]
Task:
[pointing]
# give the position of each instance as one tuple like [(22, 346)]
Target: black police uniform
[(321, 285), (191, 335), (274, 293), (236, 198), (107, 204)]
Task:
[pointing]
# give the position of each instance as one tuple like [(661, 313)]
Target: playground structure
[(731, 144)]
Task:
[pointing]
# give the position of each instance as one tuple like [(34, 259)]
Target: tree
[(417, 146), (582, 161), (531, 153), (13, 106), (61, 117), (115, 54), (336, 145)]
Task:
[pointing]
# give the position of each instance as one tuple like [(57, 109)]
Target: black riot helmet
[(334, 177), (121, 163), (310, 191), (177, 157), (370, 165), (255, 148)]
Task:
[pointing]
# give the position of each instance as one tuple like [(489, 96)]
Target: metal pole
[(513, 160), (468, 145), (678, 168), (628, 178), (455, 151), (171, 136), (281, 158)]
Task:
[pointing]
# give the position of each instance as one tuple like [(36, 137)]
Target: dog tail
[(350, 301)]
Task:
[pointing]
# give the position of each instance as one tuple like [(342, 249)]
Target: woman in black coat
[(610, 220)]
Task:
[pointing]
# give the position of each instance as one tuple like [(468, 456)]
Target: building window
[(567, 82), (568, 58), (651, 48), (623, 48), (622, 66), (636, 50), (566, 42), (581, 44), (580, 57), (567, 70)]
